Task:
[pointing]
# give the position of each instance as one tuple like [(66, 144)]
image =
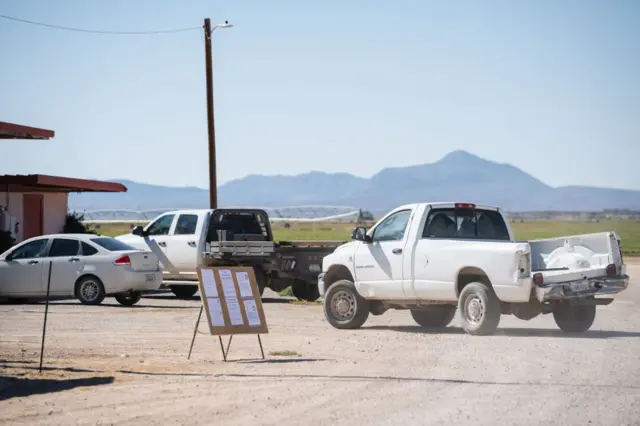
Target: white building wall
[(54, 205), (55, 212), (11, 203)]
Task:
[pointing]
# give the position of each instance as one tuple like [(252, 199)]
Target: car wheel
[(184, 291), (436, 316), (479, 309), (90, 290), (574, 318), (129, 298), (344, 308)]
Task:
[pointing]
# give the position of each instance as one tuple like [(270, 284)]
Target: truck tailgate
[(240, 248)]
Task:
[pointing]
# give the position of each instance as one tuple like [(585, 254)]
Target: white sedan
[(89, 267)]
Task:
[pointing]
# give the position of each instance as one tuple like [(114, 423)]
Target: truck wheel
[(303, 290), (344, 308), (261, 278), (479, 309), (183, 291), (574, 318), (437, 316), (128, 298)]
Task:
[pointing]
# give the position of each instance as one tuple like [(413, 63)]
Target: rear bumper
[(321, 288), (578, 289), (133, 281)]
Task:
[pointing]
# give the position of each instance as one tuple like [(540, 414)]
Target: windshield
[(112, 244), (239, 225)]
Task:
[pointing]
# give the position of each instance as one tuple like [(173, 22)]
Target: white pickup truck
[(185, 239), (436, 258)]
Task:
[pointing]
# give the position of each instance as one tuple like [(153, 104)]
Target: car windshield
[(112, 244)]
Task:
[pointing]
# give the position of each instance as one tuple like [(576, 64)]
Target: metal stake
[(46, 313)]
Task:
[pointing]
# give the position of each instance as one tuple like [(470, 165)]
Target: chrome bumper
[(578, 289)]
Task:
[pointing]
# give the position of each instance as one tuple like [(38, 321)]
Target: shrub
[(6, 241), (73, 225)]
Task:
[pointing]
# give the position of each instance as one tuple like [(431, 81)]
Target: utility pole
[(213, 180)]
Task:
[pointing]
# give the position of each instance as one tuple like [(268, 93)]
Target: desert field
[(629, 230), (128, 365)]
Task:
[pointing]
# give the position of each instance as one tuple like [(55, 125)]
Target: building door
[(32, 208)]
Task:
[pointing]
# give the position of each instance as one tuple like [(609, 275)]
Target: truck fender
[(468, 274), (335, 273)]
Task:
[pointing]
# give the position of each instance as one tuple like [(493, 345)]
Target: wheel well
[(468, 275), (80, 278), (335, 273)]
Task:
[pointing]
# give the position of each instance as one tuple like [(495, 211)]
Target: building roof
[(17, 131), (45, 183)]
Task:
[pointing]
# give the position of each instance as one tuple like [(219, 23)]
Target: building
[(34, 204)]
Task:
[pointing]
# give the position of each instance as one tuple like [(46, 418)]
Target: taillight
[(538, 279), (612, 270), (124, 260), (464, 206)]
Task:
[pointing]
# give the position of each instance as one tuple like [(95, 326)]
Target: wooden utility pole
[(213, 181)]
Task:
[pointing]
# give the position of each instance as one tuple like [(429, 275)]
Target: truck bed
[(575, 257)]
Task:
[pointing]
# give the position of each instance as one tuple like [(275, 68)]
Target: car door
[(183, 245), (21, 271), (157, 240), (66, 265), (378, 263)]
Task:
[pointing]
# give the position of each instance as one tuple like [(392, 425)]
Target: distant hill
[(459, 176)]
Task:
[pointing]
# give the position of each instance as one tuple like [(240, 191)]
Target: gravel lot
[(116, 365)]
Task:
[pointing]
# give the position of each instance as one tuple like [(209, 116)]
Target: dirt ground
[(128, 365)]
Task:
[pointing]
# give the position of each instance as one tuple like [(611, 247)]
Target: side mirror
[(139, 231), (359, 234)]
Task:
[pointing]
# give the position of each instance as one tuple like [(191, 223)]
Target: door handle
[(32, 262), (396, 251), (162, 244), (192, 243), (74, 259)]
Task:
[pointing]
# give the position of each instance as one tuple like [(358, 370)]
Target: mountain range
[(458, 176)]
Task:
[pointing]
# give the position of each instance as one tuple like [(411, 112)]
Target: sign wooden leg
[(224, 355), (195, 331), (229, 343), (260, 342)]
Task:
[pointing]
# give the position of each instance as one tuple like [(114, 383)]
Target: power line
[(82, 30)]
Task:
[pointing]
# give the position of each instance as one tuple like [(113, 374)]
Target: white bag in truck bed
[(240, 248)]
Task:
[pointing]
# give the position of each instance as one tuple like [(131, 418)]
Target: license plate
[(150, 278), (581, 286)]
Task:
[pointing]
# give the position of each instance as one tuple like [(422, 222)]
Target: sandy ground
[(116, 365)]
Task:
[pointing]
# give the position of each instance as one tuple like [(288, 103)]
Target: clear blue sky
[(551, 87)]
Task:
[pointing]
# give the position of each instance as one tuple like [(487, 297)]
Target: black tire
[(574, 318), (436, 316), (129, 298), (261, 278), (184, 291), (354, 308), (479, 309), (90, 290), (303, 290)]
